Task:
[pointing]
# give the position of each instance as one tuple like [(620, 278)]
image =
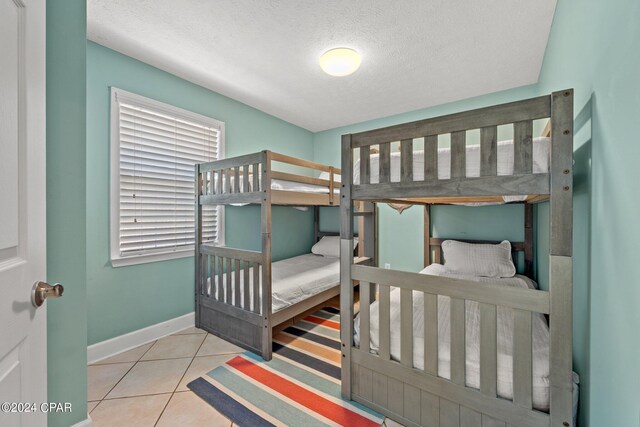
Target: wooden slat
[(219, 182), (522, 368), (406, 327), (501, 408), (456, 187), (380, 389), (300, 178), (426, 247), (228, 276), (277, 157), (522, 147), (231, 252), (528, 109), (488, 350), (384, 308), (431, 334), (384, 162), (449, 414), (232, 312), (299, 198), (458, 155), (406, 160), (365, 314), (457, 341), (528, 240), (227, 181), (256, 177), (225, 199), (469, 417), (488, 151), (212, 276), (430, 406), (256, 287), (437, 255), (246, 286), (245, 179), (431, 158), (396, 395), (365, 383), (365, 165), (221, 291), (412, 402), (236, 179), (230, 162), (525, 299)]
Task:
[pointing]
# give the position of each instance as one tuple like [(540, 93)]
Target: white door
[(23, 345)]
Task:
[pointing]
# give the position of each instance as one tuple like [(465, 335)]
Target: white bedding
[(472, 338), (540, 156), (296, 279)]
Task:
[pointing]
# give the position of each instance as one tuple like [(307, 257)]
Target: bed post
[(266, 254), (427, 236), (316, 224), (560, 262), (346, 260), (198, 239), (528, 240)]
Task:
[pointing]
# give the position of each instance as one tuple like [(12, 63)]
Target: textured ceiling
[(416, 53)]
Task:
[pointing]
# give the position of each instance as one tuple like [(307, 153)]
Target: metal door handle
[(42, 290)]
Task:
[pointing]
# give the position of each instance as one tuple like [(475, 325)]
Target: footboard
[(229, 296), (420, 396)]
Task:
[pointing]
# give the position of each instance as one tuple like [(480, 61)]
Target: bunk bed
[(230, 283), (443, 349)]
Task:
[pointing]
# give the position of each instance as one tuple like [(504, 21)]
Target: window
[(154, 148)]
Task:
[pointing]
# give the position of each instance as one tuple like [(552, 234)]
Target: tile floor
[(147, 386)]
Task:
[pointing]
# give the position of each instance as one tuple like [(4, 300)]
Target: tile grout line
[(129, 370), (180, 380)]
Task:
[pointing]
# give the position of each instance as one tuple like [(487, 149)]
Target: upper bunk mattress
[(541, 147), (295, 279), (505, 322)]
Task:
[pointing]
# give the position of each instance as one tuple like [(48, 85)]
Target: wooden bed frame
[(420, 397), (249, 321)]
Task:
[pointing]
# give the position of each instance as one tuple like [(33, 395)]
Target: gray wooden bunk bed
[(414, 393), (230, 283)]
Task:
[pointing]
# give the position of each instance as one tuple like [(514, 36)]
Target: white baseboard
[(113, 346), (84, 423)]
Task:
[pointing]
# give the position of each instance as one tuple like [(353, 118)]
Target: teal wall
[(66, 208), (120, 300), (594, 48)]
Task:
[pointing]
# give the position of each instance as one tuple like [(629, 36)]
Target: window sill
[(147, 258)]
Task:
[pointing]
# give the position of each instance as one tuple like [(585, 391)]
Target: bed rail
[(523, 303), (242, 179), (523, 181)]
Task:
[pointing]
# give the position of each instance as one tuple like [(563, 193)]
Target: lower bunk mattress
[(540, 356), (294, 279)]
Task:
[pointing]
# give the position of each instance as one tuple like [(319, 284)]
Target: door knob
[(42, 290)]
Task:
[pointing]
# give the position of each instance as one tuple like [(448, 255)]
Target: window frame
[(118, 260)]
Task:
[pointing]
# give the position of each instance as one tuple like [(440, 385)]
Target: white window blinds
[(157, 148)]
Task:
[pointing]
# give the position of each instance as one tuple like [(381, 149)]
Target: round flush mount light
[(340, 61)]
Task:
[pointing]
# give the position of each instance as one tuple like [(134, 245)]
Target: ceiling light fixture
[(340, 61)]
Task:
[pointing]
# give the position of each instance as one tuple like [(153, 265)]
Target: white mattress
[(296, 279), (472, 338), (279, 184), (540, 156)]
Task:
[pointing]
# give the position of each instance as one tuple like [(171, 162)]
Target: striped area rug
[(300, 386)]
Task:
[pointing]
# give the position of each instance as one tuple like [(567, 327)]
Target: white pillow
[(329, 246), (484, 260)]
